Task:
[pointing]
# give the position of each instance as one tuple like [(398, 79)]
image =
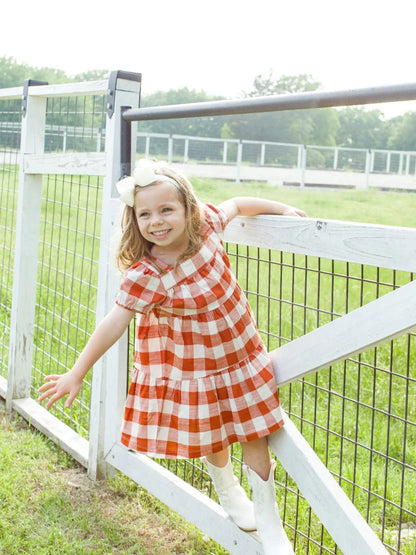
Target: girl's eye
[(167, 209), (143, 214)]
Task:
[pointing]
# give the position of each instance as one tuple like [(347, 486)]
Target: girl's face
[(161, 217)]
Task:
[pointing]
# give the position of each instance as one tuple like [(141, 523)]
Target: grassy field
[(352, 414), (49, 507), (375, 207)]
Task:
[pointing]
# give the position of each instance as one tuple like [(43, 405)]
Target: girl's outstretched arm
[(253, 206), (108, 331)]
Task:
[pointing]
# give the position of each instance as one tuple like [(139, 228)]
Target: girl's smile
[(161, 218)]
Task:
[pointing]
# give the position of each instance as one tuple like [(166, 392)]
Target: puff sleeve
[(140, 290), (215, 217)]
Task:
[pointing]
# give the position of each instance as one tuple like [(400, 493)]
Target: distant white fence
[(62, 282), (277, 163), (283, 163), (184, 148)]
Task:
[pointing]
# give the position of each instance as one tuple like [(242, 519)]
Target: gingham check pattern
[(202, 378)]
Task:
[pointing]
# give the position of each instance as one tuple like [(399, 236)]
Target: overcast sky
[(219, 46)]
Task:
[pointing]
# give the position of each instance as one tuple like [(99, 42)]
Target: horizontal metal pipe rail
[(298, 101)]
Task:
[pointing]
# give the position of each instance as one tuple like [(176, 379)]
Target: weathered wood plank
[(3, 387), (25, 263), (375, 245), (52, 427), (373, 324), (74, 163), (327, 499), (109, 385)]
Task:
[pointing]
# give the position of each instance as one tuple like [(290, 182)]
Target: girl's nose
[(156, 219)]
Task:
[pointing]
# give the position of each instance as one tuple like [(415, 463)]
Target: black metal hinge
[(112, 84), (29, 83)]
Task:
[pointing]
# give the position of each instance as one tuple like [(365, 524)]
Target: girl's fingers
[(45, 387), (52, 400), (55, 397), (51, 377), (48, 389), (47, 394), (50, 382), (55, 388), (44, 396), (70, 400)]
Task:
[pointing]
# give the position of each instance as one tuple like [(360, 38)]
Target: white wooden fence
[(387, 317)]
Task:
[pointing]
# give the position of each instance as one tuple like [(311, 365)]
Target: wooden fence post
[(26, 250), (109, 375)]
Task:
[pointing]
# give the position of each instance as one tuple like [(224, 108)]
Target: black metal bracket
[(125, 144), (112, 84), (29, 83)]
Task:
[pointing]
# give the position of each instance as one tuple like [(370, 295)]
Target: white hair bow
[(144, 174)]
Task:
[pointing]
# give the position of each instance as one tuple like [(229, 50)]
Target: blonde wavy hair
[(133, 246)]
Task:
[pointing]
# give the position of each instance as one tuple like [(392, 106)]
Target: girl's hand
[(57, 386), (106, 334), (293, 211)]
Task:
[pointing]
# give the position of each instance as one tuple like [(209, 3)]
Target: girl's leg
[(257, 456), (220, 458), (260, 472)]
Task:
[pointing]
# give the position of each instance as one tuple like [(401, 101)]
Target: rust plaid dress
[(202, 378)]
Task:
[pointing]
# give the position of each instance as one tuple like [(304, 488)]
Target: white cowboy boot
[(269, 525), (233, 498)]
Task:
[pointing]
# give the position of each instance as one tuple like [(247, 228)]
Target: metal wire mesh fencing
[(67, 283), (10, 111), (68, 258), (75, 123), (359, 415)]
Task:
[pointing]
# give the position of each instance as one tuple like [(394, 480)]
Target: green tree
[(200, 127), (92, 75), (318, 126), (361, 128), (403, 132), (286, 84), (13, 74)]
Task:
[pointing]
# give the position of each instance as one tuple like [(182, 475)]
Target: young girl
[(202, 378)]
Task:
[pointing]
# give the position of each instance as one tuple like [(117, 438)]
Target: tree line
[(354, 127)]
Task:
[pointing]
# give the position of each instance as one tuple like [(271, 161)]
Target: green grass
[(375, 207), (48, 506), (353, 414)]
